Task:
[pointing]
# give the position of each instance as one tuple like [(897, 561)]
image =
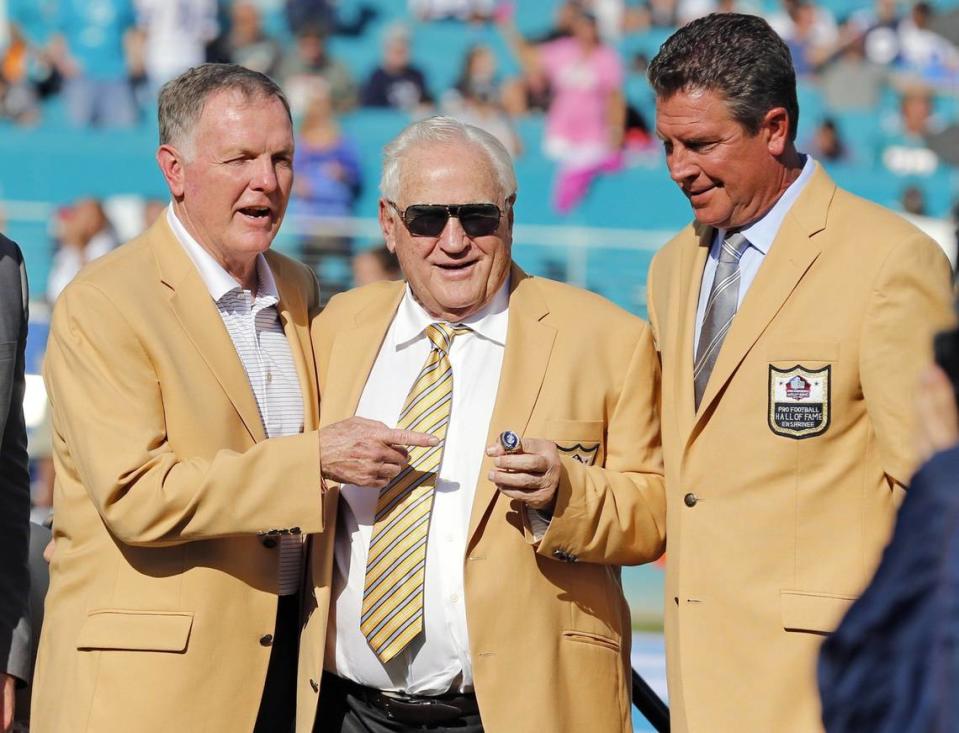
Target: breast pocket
[(581, 440), (800, 387)]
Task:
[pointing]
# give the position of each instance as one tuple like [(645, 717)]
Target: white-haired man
[(473, 593)]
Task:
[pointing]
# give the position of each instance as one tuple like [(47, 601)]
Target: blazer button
[(314, 685), (269, 542), (560, 555), (266, 640), (690, 499), (295, 530)]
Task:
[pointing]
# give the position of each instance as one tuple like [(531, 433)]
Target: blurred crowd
[(885, 77)]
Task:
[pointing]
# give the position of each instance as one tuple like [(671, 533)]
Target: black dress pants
[(278, 705), (342, 711)]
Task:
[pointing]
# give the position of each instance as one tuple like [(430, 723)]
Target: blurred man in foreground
[(480, 590), (792, 320), (15, 638), (188, 457)]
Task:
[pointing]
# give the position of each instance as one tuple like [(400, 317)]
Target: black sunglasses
[(429, 220)]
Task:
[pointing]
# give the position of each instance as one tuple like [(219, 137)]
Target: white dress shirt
[(760, 235), (438, 660), (257, 334)]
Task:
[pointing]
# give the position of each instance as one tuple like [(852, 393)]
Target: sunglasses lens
[(477, 220), (480, 220), (426, 221)]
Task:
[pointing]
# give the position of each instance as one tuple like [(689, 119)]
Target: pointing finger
[(410, 437)]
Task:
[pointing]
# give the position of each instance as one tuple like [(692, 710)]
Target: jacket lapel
[(354, 351), (790, 256), (529, 343), (197, 313), (295, 318)]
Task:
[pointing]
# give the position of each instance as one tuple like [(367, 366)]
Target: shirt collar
[(217, 280), (489, 322), (762, 232)]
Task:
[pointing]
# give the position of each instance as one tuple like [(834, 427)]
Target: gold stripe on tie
[(392, 613)]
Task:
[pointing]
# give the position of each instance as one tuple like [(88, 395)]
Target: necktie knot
[(733, 248), (441, 334)]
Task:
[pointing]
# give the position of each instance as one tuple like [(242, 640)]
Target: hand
[(366, 452), (8, 685), (937, 423), (531, 475)]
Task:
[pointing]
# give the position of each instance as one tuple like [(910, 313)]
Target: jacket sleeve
[(616, 513), (108, 412), (910, 301)]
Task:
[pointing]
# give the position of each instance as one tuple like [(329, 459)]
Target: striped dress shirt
[(253, 323)]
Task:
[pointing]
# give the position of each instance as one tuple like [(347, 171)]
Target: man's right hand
[(366, 452)]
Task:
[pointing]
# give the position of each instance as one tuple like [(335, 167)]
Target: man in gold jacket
[(505, 612), (792, 320), (182, 380)]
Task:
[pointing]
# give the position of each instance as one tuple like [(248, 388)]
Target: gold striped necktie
[(392, 614)]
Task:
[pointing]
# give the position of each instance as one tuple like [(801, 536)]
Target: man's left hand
[(530, 475), (8, 685)]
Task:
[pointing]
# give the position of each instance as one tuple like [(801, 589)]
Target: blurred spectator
[(925, 53), (474, 98), (319, 14), (328, 174), (827, 144), (810, 32), (323, 14), (309, 60), (18, 98), (396, 82), (904, 150), (90, 51), (851, 81), (914, 201), (248, 45), (173, 36), (586, 118), (375, 265), (84, 233), (467, 10)]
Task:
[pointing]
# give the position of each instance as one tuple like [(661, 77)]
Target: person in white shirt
[(474, 592)]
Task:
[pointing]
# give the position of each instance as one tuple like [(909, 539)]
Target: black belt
[(410, 709)]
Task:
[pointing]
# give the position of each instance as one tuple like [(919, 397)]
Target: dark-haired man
[(185, 428), (792, 320)]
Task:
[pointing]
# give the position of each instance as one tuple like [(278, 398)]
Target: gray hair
[(182, 99), (445, 130)]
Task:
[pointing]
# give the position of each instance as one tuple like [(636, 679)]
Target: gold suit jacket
[(782, 487), (549, 630), (161, 593)]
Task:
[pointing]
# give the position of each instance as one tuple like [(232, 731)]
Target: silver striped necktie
[(720, 310)]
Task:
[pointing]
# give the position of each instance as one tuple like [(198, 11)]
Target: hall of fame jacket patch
[(578, 452), (799, 401)]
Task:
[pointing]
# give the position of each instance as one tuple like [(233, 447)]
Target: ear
[(388, 224), (171, 166), (775, 126)]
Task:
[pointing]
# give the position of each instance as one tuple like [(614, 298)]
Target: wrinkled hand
[(532, 475), (366, 452), (937, 423), (7, 701)]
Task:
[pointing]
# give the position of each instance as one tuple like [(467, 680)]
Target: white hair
[(445, 130)]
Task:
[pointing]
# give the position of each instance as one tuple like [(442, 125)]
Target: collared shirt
[(253, 323), (760, 235), (438, 661)]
